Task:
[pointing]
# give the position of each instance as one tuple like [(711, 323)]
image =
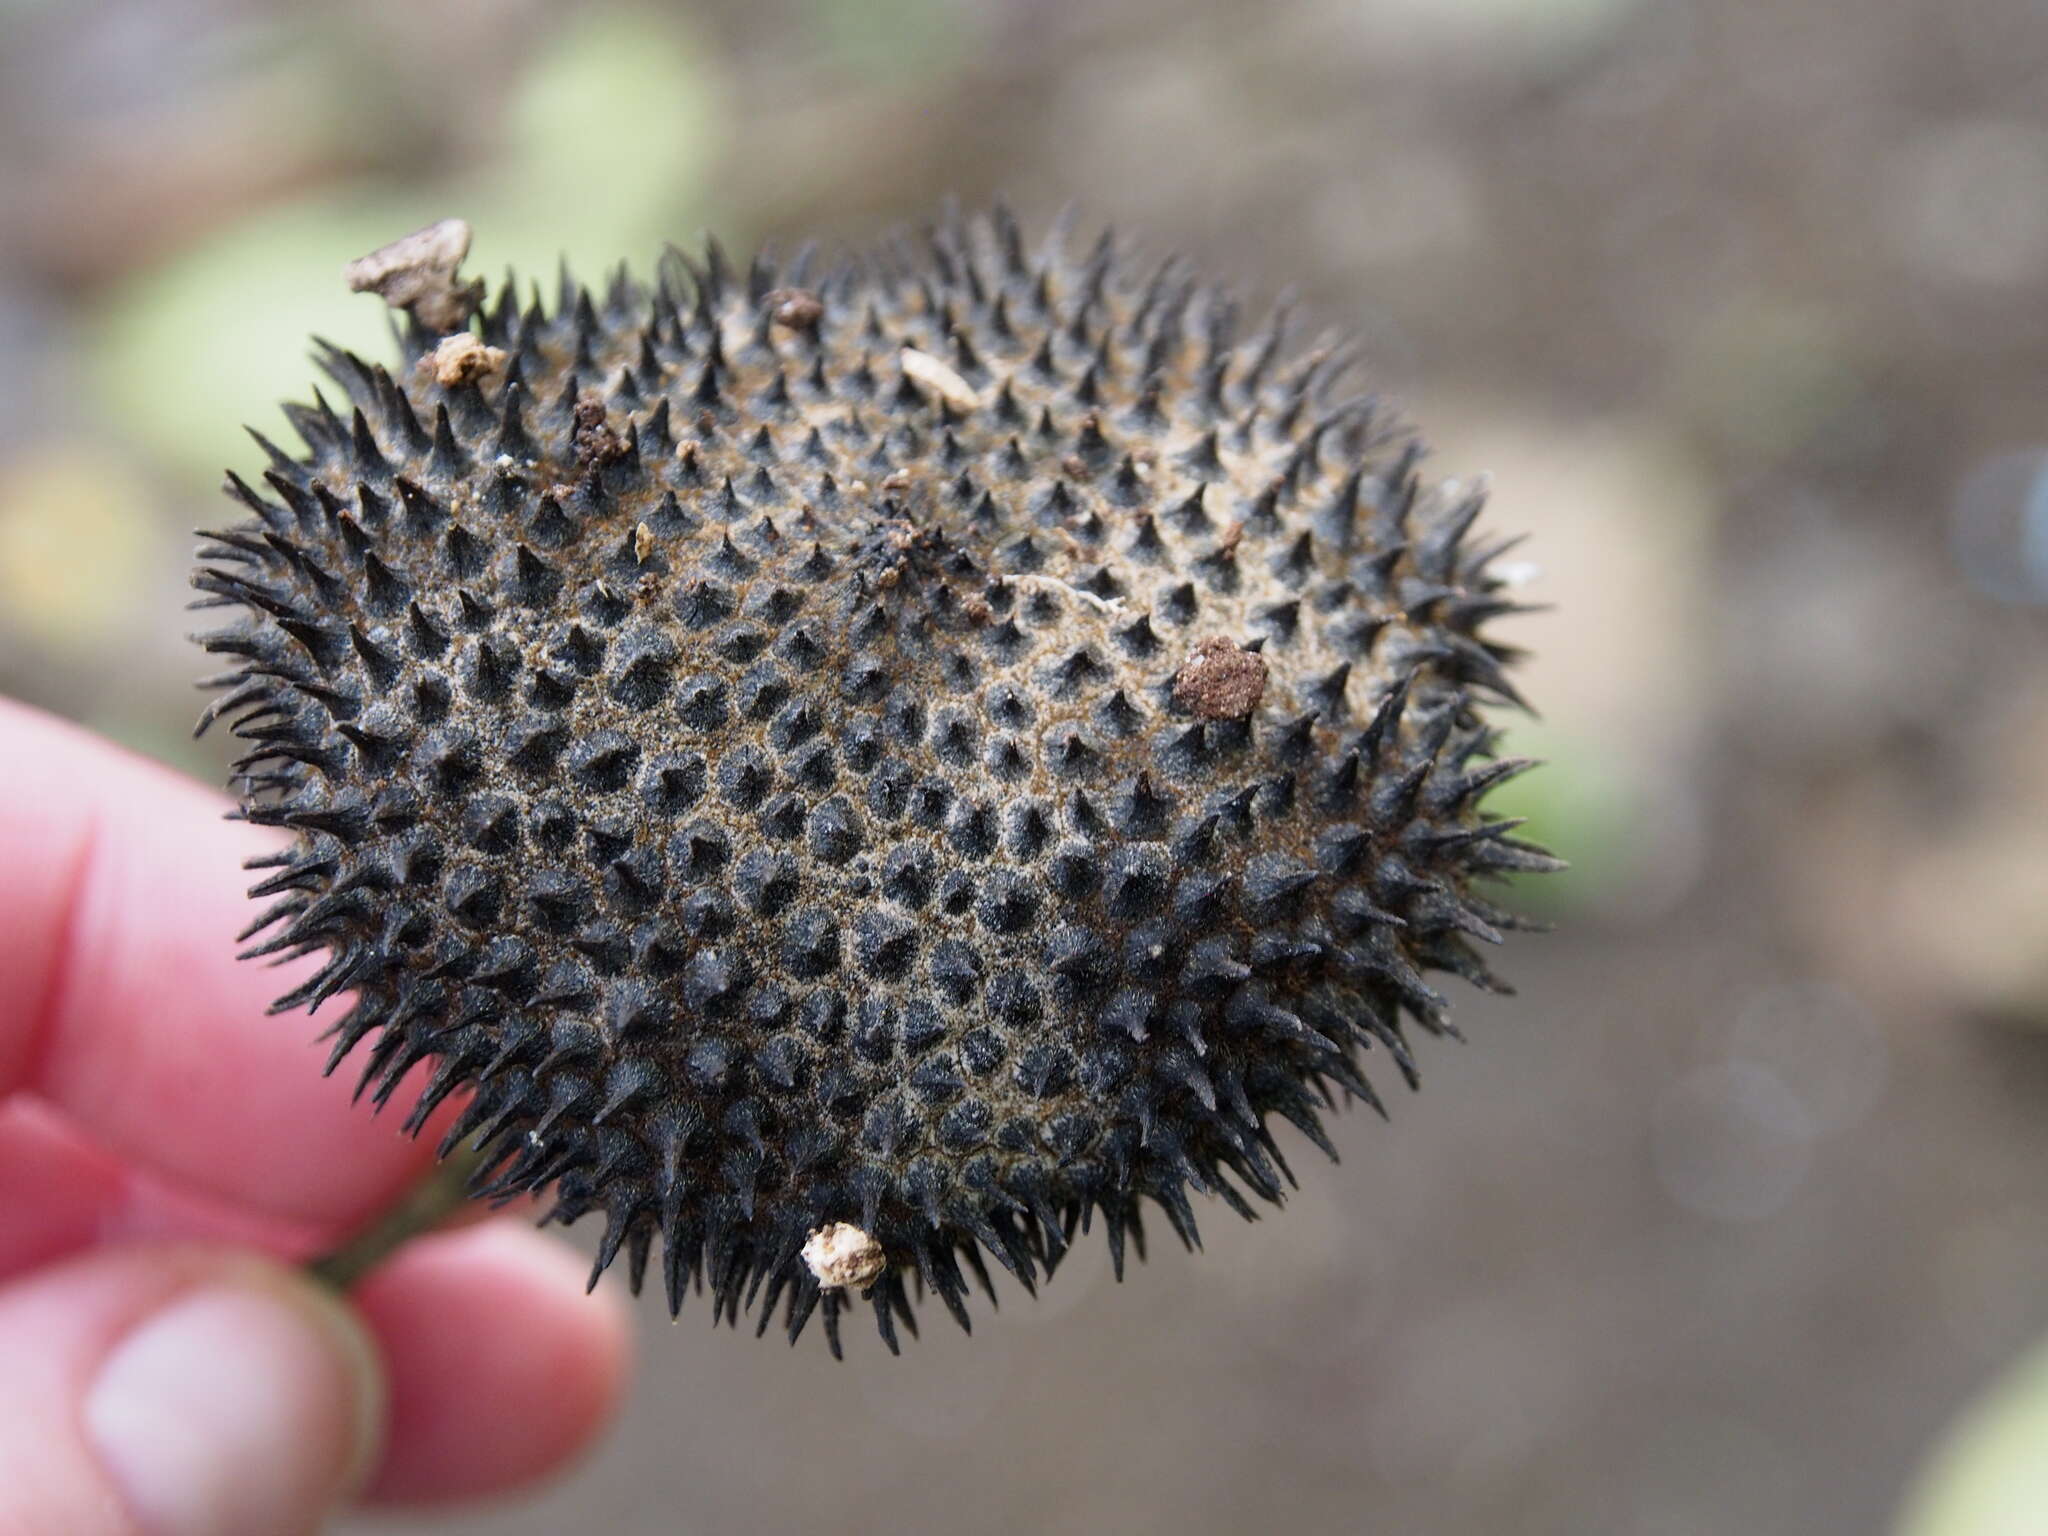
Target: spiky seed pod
[(927, 754)]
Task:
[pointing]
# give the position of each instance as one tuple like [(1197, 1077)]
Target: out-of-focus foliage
[(75, 536), (1991, 1477), (598, 153), (887, 40)]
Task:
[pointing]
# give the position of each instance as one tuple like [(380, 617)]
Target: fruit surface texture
[(962, 744)]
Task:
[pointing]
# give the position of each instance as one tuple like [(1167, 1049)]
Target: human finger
[(182, 1390), (121, 892), (502, 1369)]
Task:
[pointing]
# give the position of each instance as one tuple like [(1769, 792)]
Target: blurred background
[(1736, 1220)]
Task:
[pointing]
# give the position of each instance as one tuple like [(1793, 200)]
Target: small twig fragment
[(417, 272)]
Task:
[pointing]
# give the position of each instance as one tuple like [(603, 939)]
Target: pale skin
[(165, 1145)]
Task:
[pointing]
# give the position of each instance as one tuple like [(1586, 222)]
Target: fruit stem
[(441, 1192)]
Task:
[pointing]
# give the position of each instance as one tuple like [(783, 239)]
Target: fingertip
[(502, 1370), (253, 1405), (181, 1387)]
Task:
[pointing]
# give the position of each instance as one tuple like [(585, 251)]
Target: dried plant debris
[(416, 273), (844, 1256), (462, 359), (795, 788), (1220, 680)]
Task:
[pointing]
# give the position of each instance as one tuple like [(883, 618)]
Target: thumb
[(178, 1390)]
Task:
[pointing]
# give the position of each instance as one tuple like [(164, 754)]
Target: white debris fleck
[(935, 375), (841, 1254), (1040, 581)]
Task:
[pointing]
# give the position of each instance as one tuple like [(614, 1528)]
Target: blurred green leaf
[(1990, 1475), (605, 149), (214, 339), (76, 543), (607, 144), (889, 38), (1577, 805)]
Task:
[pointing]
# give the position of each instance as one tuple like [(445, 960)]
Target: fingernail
[(238, 1410)]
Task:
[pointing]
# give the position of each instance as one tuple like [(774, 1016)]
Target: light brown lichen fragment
[(1220, 680), (462, 359), (841, 1254), (940, 379), (417, 272), (643, 543)]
